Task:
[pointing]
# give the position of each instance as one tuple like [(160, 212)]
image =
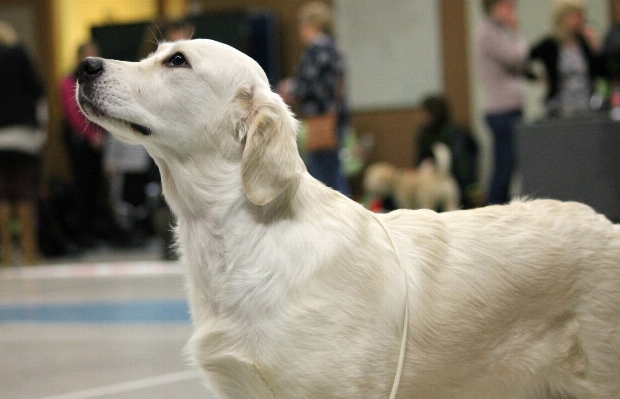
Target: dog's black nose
[(90, 68)]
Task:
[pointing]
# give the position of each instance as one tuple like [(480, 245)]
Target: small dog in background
[(431, 186)]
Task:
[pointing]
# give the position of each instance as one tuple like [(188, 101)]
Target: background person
[(502, 57), (438, 126), (572, 59), (85, 142), (21, 140), (318, 88)]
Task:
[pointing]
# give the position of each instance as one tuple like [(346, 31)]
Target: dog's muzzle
[(90, 69), (87, 73)]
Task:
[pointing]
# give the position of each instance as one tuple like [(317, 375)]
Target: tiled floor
[(106, 325)]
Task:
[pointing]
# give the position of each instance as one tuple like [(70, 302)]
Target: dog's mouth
[(91, 109), (145, 131)]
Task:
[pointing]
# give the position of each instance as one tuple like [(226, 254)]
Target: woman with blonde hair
[(572, 58), (318, 89)]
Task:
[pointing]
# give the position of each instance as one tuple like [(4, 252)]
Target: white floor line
[(15, 339), (129, 386), (97, 269)]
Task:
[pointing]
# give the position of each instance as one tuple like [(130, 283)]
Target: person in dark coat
[(438, 126), (21, 141), (572, 59)]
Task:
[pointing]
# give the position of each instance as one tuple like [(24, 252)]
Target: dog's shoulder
[(410, 221), (419, 234)]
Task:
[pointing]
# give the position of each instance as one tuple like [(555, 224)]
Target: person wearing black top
[(572, 59), (21, 140), (438, 126)]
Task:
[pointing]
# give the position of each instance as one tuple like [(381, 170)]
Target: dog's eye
[(177, 60)]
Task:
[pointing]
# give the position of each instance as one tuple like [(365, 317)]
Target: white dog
[(297, 292), (430, 186)]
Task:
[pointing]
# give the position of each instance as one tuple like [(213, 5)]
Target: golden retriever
[(297, 292), (430, 186)]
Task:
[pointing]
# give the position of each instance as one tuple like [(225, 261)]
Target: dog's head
[(197, 99)]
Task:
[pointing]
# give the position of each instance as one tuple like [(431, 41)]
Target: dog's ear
[(270, 160)]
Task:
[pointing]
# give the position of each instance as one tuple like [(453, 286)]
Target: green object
[(351, 154), (351, 151)]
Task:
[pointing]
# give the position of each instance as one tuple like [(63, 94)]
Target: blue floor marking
[(136, 312)]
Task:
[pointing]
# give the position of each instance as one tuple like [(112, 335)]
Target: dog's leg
[(231, 378)]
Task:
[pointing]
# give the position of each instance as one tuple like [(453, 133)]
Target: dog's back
[(512, 293)]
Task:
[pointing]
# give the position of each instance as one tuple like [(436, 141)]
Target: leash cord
[(403, 343)]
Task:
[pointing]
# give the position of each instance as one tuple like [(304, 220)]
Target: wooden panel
[(394, 132), (455, 64), (614, 6)]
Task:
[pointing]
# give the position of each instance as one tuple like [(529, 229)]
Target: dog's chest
[(279, 367)]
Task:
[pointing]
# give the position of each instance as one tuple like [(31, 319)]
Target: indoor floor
[(101, 326)]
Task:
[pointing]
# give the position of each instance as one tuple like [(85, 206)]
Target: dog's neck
[(229, 227), (195, 188)]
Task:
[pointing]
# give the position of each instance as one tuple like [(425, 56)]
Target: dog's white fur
[(430, 186), (295, 291)]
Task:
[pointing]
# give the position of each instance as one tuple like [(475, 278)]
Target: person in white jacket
[(502, 55)]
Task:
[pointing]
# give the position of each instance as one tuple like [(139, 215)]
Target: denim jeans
[(325, 167), (502, 127)]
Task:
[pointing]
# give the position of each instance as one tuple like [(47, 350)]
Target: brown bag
[(321, 132)]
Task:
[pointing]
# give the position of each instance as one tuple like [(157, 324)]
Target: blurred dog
[(431, 186)]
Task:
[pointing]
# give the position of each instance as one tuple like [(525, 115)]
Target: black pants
[(89, 184)]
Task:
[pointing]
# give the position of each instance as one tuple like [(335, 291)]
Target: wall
[(172, 8), (395, 130), (392, 50)]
